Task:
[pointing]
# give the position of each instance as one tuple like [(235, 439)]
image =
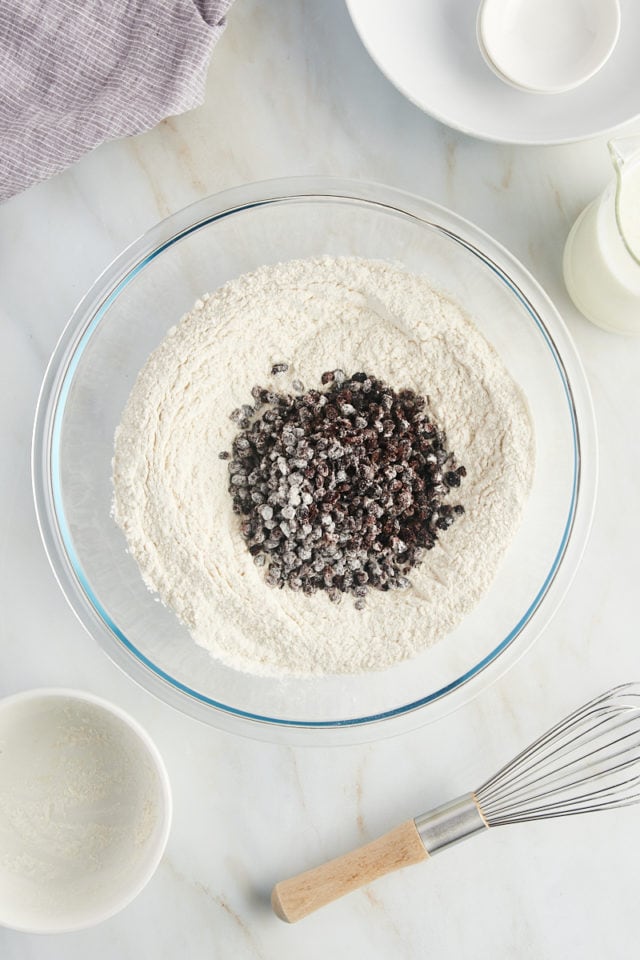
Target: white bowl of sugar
[(85, 810)]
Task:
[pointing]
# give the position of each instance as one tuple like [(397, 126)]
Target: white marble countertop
[(292, 91)]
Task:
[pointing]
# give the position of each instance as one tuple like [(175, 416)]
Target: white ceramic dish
[(546, 46), (430, 52), (85, 810)]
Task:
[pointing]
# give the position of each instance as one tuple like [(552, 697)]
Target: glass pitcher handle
[(624, 149)]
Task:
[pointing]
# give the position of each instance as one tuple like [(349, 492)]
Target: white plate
[(429, 50)]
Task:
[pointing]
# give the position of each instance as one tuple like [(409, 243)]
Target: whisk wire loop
[(588, 761)]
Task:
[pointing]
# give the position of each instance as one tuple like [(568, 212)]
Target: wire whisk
[(589, 761)]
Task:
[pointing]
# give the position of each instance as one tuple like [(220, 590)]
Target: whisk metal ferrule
[(588, 761), (450, 823)]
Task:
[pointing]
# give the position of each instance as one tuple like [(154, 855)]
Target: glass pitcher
[(602, 254)]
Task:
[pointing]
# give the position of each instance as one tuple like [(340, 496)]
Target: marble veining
[(292, 91)]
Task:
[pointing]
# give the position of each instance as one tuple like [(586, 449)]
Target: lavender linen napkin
[(74, 73)]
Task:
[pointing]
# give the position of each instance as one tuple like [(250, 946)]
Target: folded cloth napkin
[(74, 73)]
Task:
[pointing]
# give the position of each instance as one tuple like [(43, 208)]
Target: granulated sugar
[(170, 487)]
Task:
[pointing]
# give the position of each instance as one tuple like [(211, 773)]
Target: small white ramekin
[(85, 810)]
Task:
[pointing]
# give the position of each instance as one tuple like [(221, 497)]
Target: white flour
[(170, 488), (77, 808)]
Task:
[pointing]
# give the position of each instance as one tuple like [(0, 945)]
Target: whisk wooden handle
[(296, 898)]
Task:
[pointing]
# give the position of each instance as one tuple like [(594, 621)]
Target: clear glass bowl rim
[(88, 314)]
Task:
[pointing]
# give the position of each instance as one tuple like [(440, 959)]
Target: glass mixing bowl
[(128, 312)]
